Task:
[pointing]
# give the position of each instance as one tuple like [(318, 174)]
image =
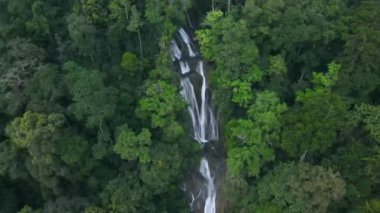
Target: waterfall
[(176, 52), (204, 123), (205, 126), (188, 93), (186, 39), (211, 192), (184, 67)]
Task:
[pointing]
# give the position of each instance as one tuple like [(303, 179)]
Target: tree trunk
[(140, 43), (126, 12)]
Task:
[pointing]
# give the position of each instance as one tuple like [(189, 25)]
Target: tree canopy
[(92, 118)]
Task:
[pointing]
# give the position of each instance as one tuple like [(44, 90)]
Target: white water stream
[(186, 39), (211, 192), (205, 126)]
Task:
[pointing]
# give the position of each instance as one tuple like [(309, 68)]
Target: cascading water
[(176, 52), (204, 123), (184, 67), (210, 186), (186, 39)]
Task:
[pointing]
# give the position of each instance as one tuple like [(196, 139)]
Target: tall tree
[(313, 124), (83, 36), (93, 102), (249, 141), (360, 55), (38, 26), (301, 187), (45, 90), (306, 32), (19, 60), (133, 147), (160, 104), (134, 25), (95, 10), (126, 194), (39, 134)]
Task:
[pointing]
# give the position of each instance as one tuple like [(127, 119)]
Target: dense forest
[(92, 120)]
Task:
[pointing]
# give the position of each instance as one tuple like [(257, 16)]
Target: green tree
[(38, 134), (83, 36), (26, 209), (360, 55), (268, 208), (369, 206), (14, 14), (234, 190), (72, 149), (350, 160), (301, 187), (38, 26), (11, 163), (303, 31), (119, 9), (312, 125), (225, 40), (249, 140), (32, 128), (135, 23), (126, 194), (275, 76), (119, 13), (228, 44), (370, 116), (93, 102), (94, 209), (162, 11), (95, 10), (130, 63), (19, 60), (161, 103), (45, 90), (131, 146), (164, 170), (128, 14), (66, 205), (52, 149)]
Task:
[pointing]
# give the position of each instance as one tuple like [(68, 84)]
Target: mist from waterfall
[(204, 123)]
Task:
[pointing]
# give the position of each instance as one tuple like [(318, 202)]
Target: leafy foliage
[(360, 60), (20, 59), (227, 43), (129, 62), (369, 115), (83, 35), (249, 140), (33, 128), (93, 101), (39, 25), (301, 187), (312, 125), (131, 146), (125, 194), (161, 103), (92, 120)]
